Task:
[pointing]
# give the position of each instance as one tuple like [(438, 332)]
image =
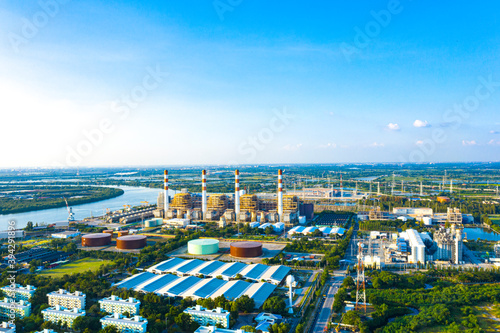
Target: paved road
[(305, 287), (326, 310)]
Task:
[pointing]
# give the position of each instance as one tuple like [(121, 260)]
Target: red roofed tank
[(131, 242), (93, 240), (246, 249)]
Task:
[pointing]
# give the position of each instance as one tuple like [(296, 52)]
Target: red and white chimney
[(280, 194), (204, 193), (165, 192), (237, 193)]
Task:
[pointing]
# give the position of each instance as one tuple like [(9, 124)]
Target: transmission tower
[(360, 281)]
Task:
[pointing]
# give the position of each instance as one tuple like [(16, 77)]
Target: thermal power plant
[(131, 242), (93, 240), (246, 249), (242, 207), (203, 246), (165, 193)]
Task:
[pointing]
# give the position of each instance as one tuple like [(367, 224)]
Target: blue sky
[(248, 82)]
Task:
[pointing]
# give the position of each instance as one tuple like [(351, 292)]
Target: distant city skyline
[(238, 82)]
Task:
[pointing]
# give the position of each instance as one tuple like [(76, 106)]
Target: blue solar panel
[(236, 290), (184, 285), (263, 293), (280, 273), (159, 283), (136, 280), (257, 271), (234, 269), (212, 267), (209, 288), (169, 264), (189, 266)]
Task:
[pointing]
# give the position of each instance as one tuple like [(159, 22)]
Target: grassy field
[(495, 218), (77, 266)]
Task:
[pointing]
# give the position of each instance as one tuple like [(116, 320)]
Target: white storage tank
[(427, 221)]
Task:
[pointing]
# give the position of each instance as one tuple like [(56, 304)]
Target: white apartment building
[(21, 309), (207, 317), (58, 314), (46, 331), (66, 299), (115, 304), (136, 324), (6, 327), (19, 292)]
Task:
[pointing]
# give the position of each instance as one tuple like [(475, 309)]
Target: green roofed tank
[(203, 246)]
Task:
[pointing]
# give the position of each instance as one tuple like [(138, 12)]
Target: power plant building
[(417, 247), (449, 245)]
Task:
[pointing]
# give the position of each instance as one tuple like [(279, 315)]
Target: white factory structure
[(239, 207), (452, 215)]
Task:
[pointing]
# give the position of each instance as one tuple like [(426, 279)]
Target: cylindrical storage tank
[(131, 242), (122, 233), (246, 249), (203, 246), (107, 232), (427, 220), (93, 240)]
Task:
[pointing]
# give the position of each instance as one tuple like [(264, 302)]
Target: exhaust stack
[(165, 192), (280, 194), (237, 194), (204, 193)]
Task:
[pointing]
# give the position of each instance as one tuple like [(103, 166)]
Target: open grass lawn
[(77, 266), (495, 218)]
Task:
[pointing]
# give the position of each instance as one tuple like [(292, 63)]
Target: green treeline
[(48, 199)]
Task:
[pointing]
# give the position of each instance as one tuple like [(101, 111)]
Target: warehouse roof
[(135, 280)]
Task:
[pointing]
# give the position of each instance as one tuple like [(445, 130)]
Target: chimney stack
[(204, 193), (237, 194), (280, 194), (165, 192)]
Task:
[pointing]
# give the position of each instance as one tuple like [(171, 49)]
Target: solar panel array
[(195, 267)]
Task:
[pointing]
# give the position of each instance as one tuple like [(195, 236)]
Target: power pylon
[(360, 281)]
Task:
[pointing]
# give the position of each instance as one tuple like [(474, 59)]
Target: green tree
[(248, 328), (275, 305)]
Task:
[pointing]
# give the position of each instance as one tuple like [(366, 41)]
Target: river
[(131, 196), (476, 233)]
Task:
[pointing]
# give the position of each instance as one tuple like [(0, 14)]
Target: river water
[(131, 196), (485, 234)]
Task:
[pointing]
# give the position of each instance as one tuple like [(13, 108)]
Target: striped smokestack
[(280, 194), (204, 193), (237, 193), (165, 192)]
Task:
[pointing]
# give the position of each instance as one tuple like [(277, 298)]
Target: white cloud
[(469, 143), (329, 145), (419, 142), (494, 132), (493, 142), (290, 147), (421, 123), (393, 127), (376, 145)]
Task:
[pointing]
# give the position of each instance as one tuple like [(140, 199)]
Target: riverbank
[(13, 206)]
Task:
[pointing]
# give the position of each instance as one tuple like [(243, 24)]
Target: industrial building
[(57, 314), (93, 240), (66, 234), (115, 304), (417, 247), (203, 246), (131, 242), (19, 292), (214, 268), (241, 207), (449, 245), (215, 329), (206, 317), (453, 215), (21, 309), (46, 330), (6, 327), (246, 249), (327, 231), (136, 324), (66, 299)]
